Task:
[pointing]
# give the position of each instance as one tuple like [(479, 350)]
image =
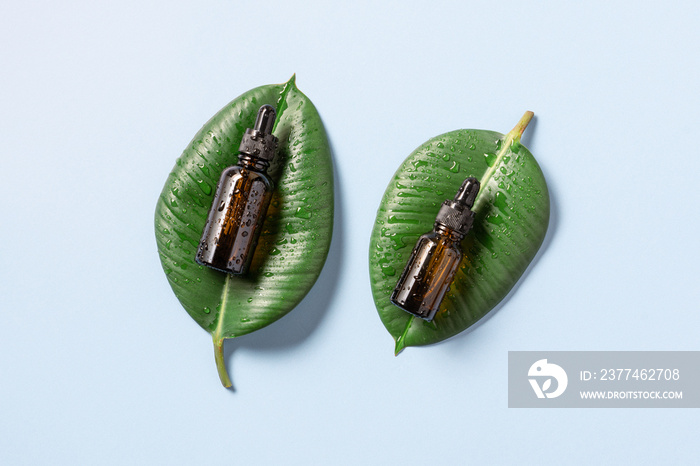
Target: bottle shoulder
[(236, 172), (441, 239)]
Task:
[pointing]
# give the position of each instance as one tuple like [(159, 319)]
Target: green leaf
[(296, 234), (512, 214)]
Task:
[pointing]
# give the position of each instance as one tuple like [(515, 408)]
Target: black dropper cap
[(259, 142), (457, 214)]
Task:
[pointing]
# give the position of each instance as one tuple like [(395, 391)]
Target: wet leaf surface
[(296, 234), (512, 215)]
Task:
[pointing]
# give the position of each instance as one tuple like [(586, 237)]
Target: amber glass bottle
[(241, 201), (436, 256)]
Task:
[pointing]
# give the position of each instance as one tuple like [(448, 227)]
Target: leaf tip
[(400, 346), (292, 81)]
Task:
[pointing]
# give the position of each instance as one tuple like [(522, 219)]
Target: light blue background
[(99, 363)]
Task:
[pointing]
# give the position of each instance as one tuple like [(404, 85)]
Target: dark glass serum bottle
[(241, 201), (436, 256)]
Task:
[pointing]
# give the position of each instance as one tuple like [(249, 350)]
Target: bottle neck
[(453, 235), (253, 163)]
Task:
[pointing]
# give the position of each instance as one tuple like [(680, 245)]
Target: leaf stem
[(512, 137), (220, 363), (219, 338), (522, 124)]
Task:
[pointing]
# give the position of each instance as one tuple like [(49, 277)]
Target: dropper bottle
[(240, 204), (436, 256)]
